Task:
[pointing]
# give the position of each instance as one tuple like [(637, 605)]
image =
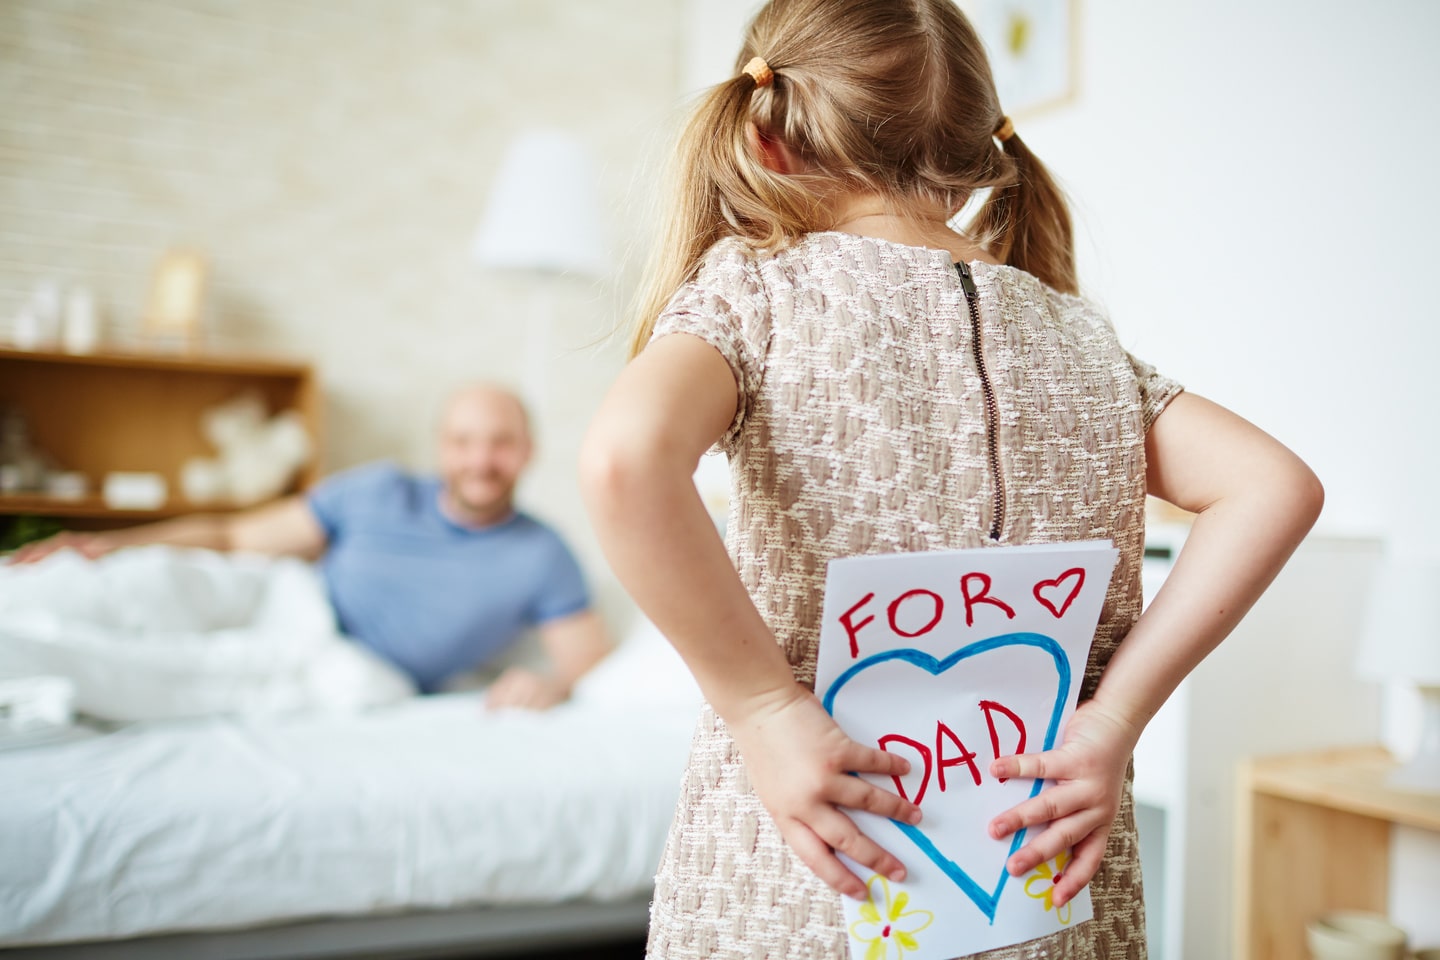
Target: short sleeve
[(1156, 390), (335, 499), (562, 586), (726, 306)]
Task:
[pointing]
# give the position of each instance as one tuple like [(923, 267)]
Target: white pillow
[(157, 632)]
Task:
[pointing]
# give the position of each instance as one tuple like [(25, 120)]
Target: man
[(435, 574)]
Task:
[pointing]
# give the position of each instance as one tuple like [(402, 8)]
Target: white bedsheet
[(427, 803)]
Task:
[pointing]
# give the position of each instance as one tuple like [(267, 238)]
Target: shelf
[(1351, 780), (236, 365), (100, 413), (94, 507)]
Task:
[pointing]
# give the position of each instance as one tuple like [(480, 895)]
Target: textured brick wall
[(332, 157)]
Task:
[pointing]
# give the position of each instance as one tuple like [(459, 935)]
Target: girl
[(882, 383)]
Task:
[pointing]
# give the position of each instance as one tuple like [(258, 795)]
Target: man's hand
[(91, 546), (800, 763), (1088, 774), (573, 645), (525, 690)]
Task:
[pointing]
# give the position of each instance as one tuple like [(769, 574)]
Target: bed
[(423, 825)]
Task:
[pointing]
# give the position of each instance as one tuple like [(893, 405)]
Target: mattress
[(430, 803)]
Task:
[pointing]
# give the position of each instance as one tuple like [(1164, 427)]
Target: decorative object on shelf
[(23, 466), (176, 304), (134, 490), (80, 331), (1354, 935), (1032, 46), (543, 217), (67, 485), (1401, 641), (259, 455), (37, 324), (202, 481)]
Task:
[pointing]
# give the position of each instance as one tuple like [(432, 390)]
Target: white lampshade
[(544, 209), (1402, 623)]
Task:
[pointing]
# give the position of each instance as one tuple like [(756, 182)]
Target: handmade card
[(952, 659)]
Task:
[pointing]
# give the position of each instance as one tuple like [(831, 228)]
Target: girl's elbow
[(1310, 495), (1297, 491)]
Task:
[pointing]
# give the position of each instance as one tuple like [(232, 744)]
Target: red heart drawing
[(1054, 585)]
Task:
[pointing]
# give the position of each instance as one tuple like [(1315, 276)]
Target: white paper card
[(951, 659)]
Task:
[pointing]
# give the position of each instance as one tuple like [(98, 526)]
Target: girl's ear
[(771, 152)]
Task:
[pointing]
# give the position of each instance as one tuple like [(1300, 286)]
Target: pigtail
[(1027, 223), (717, 188)]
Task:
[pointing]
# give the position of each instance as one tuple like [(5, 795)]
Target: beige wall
[(333, 158)]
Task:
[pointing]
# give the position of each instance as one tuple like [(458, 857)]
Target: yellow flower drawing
[(1045, 879), (885, 926)]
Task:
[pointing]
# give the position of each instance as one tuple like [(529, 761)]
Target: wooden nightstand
[(1313, 835)]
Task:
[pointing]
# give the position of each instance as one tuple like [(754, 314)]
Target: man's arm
[(573, 645), (284, 528)]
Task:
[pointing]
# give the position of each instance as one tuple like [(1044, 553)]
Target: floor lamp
[(542, 217)]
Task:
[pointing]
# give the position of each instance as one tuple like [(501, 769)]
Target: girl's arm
[(1255, 501), (667, 407)]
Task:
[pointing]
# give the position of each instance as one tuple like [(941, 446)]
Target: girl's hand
[(799, 762), (1088, 770)]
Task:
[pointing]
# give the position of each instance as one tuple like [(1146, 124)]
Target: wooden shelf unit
[(1314, 836), (129, 411), (94, 508)]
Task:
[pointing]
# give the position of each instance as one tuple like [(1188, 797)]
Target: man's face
[(484, 447)]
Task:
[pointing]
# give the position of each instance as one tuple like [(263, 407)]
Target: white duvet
[(236, 820), (158, 632), (425, 804)]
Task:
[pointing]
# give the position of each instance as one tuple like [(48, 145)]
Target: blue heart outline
[(987, 901)]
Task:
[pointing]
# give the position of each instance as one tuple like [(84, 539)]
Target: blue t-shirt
[(431, 596)]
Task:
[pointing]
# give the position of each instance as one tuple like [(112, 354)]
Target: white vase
[(80, 332)]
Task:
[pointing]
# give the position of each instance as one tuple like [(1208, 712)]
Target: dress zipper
[(992, 415)]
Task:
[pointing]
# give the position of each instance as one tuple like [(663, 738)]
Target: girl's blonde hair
[(893, 97)]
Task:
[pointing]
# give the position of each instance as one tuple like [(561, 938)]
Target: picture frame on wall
[(1033, 47), (174, 310)]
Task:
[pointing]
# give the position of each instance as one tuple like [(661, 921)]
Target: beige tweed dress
[(874, 410)]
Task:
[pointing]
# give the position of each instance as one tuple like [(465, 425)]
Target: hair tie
[(759, 71), (1005, 131)]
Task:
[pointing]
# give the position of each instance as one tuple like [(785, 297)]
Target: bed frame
[(476, 932)]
